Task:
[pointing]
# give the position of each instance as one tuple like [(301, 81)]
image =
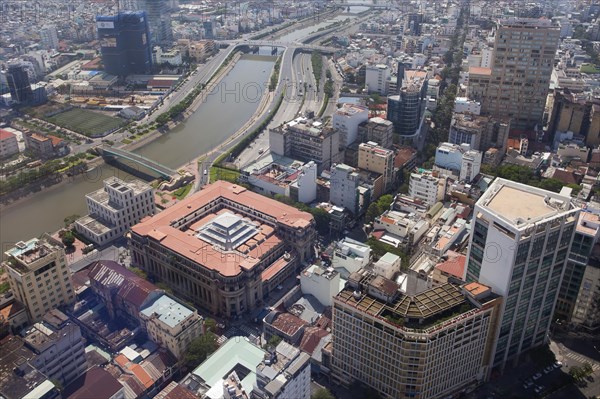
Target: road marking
[(583, 359)]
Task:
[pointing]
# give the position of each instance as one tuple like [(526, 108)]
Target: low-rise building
[(114, 209), (8, 144), (322, 283), (18, 378), (387, 266), (350, 255), (96, 382), (400, 228), (39, 276), (13, 315), (275, 174), (171, 324)]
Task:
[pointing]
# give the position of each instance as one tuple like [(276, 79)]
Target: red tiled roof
[(378, 234), (403, 156), (160, 227), (142, 375), (130, 287), (311, 338), (288, 324), (566, 176), (455, 265), (5, 134), (95, 383)]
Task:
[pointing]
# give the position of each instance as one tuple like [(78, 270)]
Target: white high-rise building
[(347, 119), (376, 78), (427, 186), (49, 37), (520, 241), (344, 187), (115, 208)]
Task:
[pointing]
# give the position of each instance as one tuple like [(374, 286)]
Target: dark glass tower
[(18, 84), (125, 43)]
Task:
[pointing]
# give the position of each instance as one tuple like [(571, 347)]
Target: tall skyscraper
[(159, 20), (406, 110), (49, 37), (125, 43), (18, 84), (523, 61), (519, 246)]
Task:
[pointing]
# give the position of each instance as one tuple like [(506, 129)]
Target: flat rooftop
[(168, 311), (234, 353), (520, 203)]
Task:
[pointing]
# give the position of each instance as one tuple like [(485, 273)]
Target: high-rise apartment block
[(519, 246), (378, 130), (430, 344), (307, 140), (347, 119), (114, 209), (49, 37), (344, 188), (58, 346), (39, 276), (376, 78), (480, 132), (524, 52), (427, 186), (377, 159), (125, 43)]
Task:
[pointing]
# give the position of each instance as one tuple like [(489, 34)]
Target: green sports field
[(86, 122)]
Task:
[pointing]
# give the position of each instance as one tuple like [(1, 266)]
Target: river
[(228, 106)]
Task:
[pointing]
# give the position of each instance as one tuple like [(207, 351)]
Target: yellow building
[(377, 159), (39, 276)]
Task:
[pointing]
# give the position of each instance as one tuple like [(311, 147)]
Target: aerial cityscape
[(300, 199)]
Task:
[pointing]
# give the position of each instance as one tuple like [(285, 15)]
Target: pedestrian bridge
[(163, 171)]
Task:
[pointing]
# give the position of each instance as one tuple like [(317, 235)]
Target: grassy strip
[(275, 74), (272, 31), (316, 60), (323, 106), (182, 192), (222, 173)]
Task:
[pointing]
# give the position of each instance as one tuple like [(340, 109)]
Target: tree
[(199, 349), (322, 393), (384, 202), (68, 239), (372, 212), (140, 273), (210, 325), (273, 341), (69, 220)]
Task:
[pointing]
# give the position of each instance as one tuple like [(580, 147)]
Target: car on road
[(537, 376), (528, 384), (557, 365), (548, 369), (538, 389), (205, 172)]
